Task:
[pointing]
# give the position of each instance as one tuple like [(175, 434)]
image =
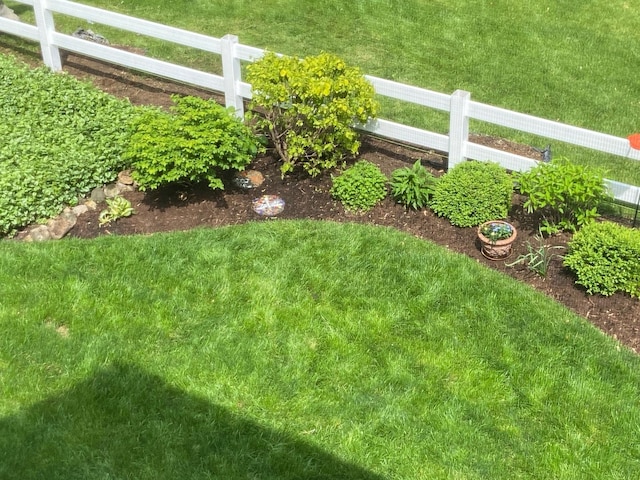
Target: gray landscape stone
[(38, 234), (97, 195), (111, 190), (60, 226), (6, 12)]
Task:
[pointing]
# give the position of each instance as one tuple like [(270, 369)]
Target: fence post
[(232, 74), (458, 127), (44, 22)]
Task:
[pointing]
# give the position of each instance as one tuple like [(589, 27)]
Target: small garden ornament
[(496, 238)]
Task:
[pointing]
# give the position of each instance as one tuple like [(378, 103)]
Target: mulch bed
[(182, 208)]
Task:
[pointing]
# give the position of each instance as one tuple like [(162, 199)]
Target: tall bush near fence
[(564, 195), (308, 108)]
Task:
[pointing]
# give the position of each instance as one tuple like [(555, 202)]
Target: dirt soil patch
[(182, 208)]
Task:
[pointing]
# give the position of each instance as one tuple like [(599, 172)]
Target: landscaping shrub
[(60, 139), (412, 187), (360, 187), (606, 258), (472, 193), (195, 142), (308, 108), (566, 195)]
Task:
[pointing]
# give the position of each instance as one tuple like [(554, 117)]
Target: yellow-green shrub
[(195, 142), (308, 108)]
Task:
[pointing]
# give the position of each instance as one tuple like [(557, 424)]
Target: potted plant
[(496, 238)]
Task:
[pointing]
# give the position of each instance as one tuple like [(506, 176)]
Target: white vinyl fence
[(459, 105)]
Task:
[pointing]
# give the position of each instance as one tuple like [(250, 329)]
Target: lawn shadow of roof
[(126, 423)]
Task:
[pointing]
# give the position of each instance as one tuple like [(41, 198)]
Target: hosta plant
[(118, 207), (412, 186)]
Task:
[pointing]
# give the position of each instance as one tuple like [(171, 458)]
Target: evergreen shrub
[(605, 257), (472, 193)]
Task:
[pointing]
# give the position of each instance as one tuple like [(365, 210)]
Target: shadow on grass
[(126, 423)]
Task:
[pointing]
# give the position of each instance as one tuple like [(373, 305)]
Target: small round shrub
[(360, 187), (472, 193), (606, 258), (412, 187)]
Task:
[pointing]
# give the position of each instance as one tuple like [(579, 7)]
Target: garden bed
[(183, 208)]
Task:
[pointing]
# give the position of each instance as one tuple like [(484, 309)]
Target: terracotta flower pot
[(500, 248)]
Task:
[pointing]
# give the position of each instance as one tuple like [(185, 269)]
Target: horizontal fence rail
[(459, 106)]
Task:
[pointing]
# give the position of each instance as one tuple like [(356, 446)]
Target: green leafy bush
[(606, 258), (413, 186), (195, 142), (472, 193), (60, 139), (360, 187), (565, 195), (308, 108)]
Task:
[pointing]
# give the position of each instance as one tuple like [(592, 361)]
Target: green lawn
[(574, 62), (280, 349)]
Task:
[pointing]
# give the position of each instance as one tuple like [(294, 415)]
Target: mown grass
[(573, 62), (290, 350)]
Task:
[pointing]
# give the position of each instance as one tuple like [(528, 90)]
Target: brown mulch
[(184, 208)]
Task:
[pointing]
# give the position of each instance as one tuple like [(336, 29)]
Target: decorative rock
[(80, 209), (60, 226), (111, 190), (125, 177), (248, 179), (38, 234), (6, 12), (97, 195), (123, 187), (268, 205), (91, 205)]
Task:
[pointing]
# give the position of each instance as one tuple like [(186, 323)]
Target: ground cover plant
[(60, 139), (171, 355)]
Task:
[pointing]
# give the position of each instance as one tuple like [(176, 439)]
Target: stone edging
[(59, 226)]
